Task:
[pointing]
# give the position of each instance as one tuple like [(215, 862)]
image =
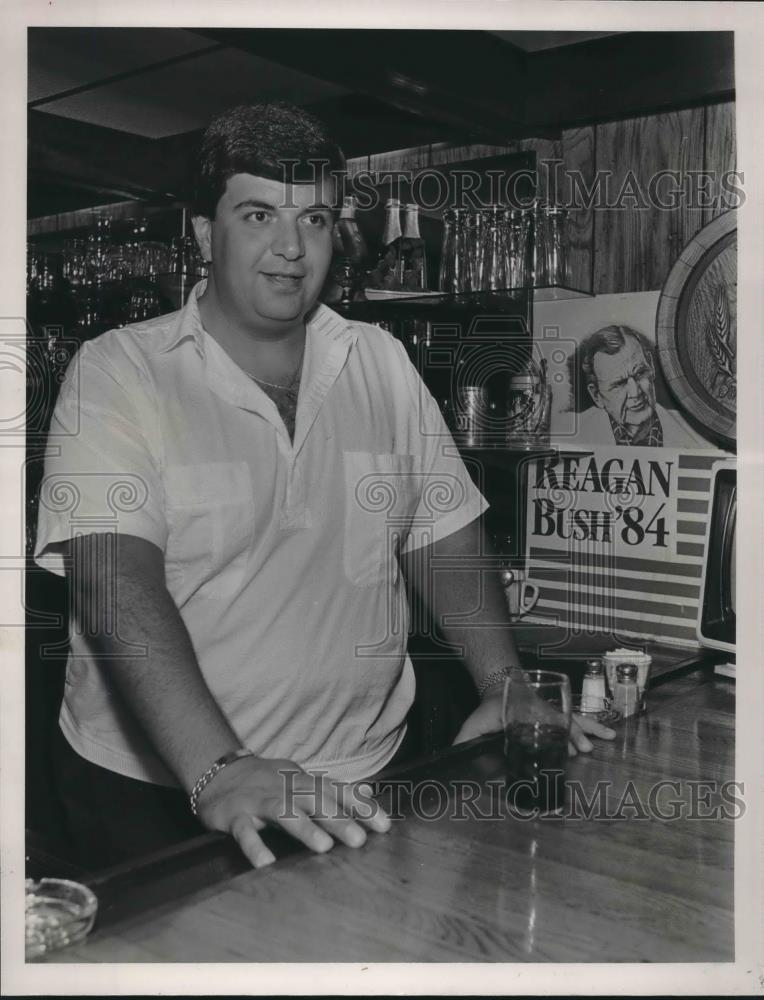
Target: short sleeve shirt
[(281, 556)]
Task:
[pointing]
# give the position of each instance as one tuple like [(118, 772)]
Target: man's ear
[(595, 394), (203, 232)]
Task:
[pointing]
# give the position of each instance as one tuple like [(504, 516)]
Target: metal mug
[(520, 593), (471, 414)]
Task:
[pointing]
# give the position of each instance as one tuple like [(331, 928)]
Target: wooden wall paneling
[(637, 240), (413, 158), (720, 153), (446, 152), (578, 156), (356, 165), (548, 159)]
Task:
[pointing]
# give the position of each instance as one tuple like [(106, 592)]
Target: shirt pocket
[(210, 514), (381, 495)]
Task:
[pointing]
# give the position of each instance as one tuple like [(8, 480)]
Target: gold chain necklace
[(275, 385)]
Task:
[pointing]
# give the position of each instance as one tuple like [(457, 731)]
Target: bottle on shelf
[(413, 252), (388, 273), (351, 242)]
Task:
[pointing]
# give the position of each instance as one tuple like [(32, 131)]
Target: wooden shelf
[(510, 301)]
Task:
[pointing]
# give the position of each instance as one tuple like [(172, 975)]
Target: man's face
[(625, 384), (270, 245)]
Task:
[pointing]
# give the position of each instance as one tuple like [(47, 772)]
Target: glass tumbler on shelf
[(540, 240), (454, 259), (144, 304), (463, 250), (31, 267), (529, 406), (183, 256), (447, 252), (74, 263), (556, 246), (526, 243), (495, 251), (476, 249), (517, 272)]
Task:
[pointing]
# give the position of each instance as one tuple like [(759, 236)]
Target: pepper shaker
[(626, 690)]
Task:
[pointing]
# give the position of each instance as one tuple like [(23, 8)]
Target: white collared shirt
[(280, 555)]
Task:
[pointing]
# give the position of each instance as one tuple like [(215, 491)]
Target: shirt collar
[(650, 434), (187, 324)]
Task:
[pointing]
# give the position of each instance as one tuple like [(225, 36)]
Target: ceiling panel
[(63, 58), (182, 97), (536, 41)]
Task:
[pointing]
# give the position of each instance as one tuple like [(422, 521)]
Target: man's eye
[(317, 220), (257, 216)]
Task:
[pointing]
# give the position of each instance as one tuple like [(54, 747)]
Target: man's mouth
[(284, 278), (640, 404)]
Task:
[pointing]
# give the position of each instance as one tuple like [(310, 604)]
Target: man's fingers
[(331, 805), (245, 832), (359, 799), (579, 727), (337, 806), (595, 728), (297, 825)]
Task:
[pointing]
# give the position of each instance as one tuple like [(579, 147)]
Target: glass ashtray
[(57, 913), (606, 714)]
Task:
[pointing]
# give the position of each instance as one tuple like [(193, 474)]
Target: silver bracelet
[(491, 680), (215, 768)]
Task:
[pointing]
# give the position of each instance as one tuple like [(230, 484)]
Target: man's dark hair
[(608, 340), (279, 141)]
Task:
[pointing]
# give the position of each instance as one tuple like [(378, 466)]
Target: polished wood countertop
[(619, 888)]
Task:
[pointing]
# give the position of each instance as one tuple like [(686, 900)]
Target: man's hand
[(580, 725), (253, 792), (486, 719)]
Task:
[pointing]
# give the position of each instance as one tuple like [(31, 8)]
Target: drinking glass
[(75, 262), (556, 246), (462, 249), (144, 304), (495, 252), (540, 241), (517, 276), (57, 913), (476, 249), (536, 712), (446, 280)]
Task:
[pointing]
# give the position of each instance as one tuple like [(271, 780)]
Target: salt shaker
[(626, 689), (593, 688)]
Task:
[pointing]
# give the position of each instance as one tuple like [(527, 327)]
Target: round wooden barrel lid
[(696, 328)]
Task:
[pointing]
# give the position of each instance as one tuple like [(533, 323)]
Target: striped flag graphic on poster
[(615, 539)]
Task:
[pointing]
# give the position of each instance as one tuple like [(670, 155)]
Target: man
[(618, 373), (249, 475)]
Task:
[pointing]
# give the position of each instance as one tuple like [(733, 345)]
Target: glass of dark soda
[(536, 715)]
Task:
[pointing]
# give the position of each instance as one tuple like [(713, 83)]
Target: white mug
[(520, 593)]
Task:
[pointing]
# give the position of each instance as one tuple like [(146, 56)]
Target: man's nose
[(632, 386), (287, 240)]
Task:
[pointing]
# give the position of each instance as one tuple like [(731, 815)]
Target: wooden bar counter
[(618, 888)]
